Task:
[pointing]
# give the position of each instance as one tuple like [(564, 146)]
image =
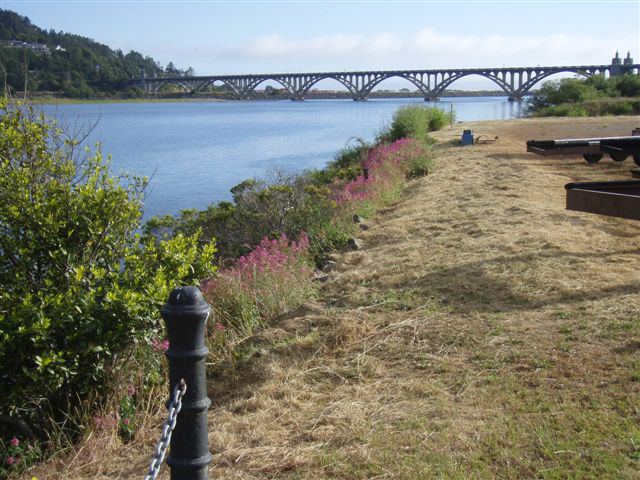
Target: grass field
[(483, 332)]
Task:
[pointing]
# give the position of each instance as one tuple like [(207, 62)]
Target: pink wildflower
[(159, 346), (131, 390), (14, 442), (218, 327), (9, 461), (98, 421)]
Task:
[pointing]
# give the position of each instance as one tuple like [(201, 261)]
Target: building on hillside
[(33, 46)]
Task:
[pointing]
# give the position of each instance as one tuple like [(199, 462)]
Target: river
[(195, 152)]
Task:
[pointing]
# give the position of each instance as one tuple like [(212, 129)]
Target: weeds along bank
[(81, 341)]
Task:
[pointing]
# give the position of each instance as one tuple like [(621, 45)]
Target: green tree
[(77, 285), (628, 85)]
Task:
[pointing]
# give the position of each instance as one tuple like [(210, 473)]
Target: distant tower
[(628, 60), (616, 66), (616, 60)]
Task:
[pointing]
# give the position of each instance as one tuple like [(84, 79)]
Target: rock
[(355, 244), (329, 265), (364, 226), (320, 277), (357, 219), (260, 353)]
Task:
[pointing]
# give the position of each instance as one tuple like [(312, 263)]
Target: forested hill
[(67, 64)]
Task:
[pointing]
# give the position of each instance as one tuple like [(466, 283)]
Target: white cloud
[(276, 47), (426, 48), (423, 49)]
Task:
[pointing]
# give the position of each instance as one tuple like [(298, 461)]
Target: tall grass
[(414, 121), (274, 278)]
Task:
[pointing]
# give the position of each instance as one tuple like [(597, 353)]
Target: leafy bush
[(77, 285), (604, 106), (593, 96), (346, 165), (212, 223), (627, 85), (414, 121), (285, 204)]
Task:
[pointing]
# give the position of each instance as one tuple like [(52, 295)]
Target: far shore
[(74, 101), (55, 100)]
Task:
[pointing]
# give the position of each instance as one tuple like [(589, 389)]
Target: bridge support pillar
[(514, 98), (359, 99), (431, 98)]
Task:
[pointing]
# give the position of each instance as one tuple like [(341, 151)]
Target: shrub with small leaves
[(78, 287)]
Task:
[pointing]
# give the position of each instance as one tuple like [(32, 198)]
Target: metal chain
[(170, 423)]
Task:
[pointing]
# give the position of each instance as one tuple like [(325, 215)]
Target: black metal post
[(185, 315)]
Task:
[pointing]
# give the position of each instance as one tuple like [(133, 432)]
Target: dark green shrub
[(289, 204), (212, 223), (346, 165), (77, 286), (593, 96), (627, 85)]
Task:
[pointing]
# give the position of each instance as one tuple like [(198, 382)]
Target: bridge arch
[(413, 79), (344, 81), (492, 75), (542, 74), (282, 81), (211, 83)]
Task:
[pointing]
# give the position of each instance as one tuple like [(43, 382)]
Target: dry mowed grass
[(483, 332)]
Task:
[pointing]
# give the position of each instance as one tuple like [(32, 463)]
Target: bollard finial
[(185, 297)]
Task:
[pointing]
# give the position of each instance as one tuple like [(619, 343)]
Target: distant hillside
[(65, 63)]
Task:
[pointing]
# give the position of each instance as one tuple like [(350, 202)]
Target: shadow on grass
[(472, 286)]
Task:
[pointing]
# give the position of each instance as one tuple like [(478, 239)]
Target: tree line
[(73, 66), (593, 96)]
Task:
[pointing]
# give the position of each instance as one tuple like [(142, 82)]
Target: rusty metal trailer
[(592, 149), (614, 199)]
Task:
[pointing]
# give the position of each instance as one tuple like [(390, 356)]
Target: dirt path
[(483, 332)]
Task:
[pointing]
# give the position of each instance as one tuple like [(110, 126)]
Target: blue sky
[(291, 36)]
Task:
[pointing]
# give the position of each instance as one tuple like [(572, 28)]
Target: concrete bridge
[(514, 81)]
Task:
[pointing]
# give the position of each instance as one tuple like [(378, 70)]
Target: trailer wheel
[(636, 158), (592, 157), (619, 157)]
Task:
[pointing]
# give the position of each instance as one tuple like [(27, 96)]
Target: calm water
[(197, 151)]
